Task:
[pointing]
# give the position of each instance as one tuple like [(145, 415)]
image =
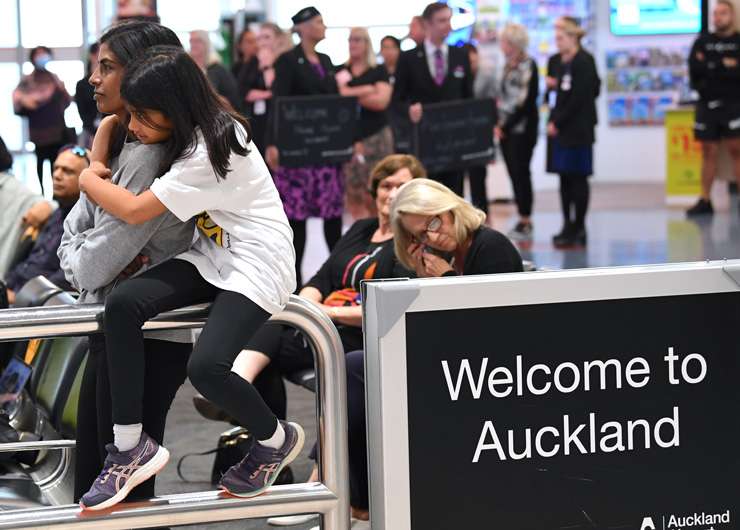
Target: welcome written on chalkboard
[(315, 130)]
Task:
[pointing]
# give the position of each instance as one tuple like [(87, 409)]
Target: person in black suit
[(317, 190), (432, 73), (571, 130)]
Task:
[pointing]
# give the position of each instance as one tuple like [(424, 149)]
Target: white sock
[(277, 440), (126, 437)]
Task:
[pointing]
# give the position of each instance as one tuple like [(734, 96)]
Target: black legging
[(357, 430), (574, 197), (332, 233), (165, 373), (45, 152), (232, 321), (477, 179), (517, 150)]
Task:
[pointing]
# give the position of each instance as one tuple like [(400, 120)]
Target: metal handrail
[(329, 498)]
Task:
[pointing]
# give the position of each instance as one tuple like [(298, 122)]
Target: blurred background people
[(434, 72), (86, 106), (42, 259), (42, 98), (221, 79), (390, 51), (417, 30), (477, 174), (714, 68), (254, 84), (362, 78), (571, 130), (518, 121), (317, 190), (246, 51)]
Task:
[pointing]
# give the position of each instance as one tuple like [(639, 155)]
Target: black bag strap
[(182, 459)]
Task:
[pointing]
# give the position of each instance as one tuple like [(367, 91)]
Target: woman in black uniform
[(317, 190)]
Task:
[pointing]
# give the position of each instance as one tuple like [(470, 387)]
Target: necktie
[(439, 67)]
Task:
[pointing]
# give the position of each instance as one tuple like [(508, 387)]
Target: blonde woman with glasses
[(437, 233), (362, 78)]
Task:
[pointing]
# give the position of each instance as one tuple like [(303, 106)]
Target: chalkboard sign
[(455, 135), (315, 130)]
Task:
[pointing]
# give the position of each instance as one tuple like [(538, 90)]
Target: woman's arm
[(356, 91), (347, 315), (379, 99), (118, 201)]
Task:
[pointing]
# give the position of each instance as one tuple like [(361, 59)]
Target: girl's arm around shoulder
[(118, 201)]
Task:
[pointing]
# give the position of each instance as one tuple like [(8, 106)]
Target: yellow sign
[(683, 154)]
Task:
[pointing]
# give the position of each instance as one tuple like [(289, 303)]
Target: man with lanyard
[(714, 67)]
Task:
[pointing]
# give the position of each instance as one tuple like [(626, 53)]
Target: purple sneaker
[(123, 471), (259, 469)]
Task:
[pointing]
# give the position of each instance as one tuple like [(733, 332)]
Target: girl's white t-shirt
[(243, 241)]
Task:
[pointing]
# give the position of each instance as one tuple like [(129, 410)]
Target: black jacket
[(574, 114), (709, 75), (295, 76), (414, 82)]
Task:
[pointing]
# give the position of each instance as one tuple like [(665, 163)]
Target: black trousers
[(575, 195), (517, 150), (45, 152), (233, 320), (165, 372), (451, 179), (477, 178)]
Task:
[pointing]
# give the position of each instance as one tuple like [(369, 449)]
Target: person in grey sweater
[(97, 250)]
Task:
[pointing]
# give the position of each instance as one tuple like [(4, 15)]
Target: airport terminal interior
[(248, 154)]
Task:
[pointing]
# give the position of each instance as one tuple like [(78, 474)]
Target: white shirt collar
[(430, 48)]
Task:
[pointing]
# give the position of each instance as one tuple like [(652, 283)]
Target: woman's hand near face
[(416, 252), (434, 266)]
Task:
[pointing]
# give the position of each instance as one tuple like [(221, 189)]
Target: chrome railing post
[(329, 498)]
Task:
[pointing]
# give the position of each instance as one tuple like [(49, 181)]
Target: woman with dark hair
[(42, 98), (97, 250), (241, 260), (311, 191), (84, 93), (390, 50)]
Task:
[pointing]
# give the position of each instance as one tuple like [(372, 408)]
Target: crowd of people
[(182, 199), (181, 145)]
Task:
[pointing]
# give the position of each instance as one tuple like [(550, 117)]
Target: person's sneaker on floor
[(702, 207), (123, 471), (259, 469), (521, 232)]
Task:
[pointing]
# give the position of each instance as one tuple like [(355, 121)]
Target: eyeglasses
[(432, 226), (75, 150)]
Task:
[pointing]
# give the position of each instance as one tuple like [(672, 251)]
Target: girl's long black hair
[(128, 40), (167, 80)]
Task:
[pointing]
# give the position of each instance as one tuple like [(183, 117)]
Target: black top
[(371, 121), (714, 80), (578, 86), (356, 258), (528, 109), (86, 105), (247, 76), (490, 252), (223, 82), (296, 76), (414, 83)]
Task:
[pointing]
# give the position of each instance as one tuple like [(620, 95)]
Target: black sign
[(455, 135), (618, 414), (315, 130)]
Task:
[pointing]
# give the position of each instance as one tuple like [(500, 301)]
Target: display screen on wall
[(655, 17)]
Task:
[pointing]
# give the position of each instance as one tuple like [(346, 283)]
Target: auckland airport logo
[(699, 521)]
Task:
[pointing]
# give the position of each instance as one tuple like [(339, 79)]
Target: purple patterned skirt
[(315, 191)]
